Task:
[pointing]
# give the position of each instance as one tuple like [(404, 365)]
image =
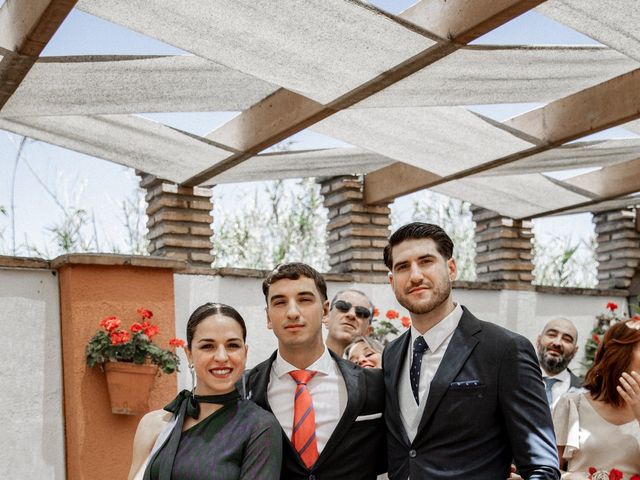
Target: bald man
[(557, 345)]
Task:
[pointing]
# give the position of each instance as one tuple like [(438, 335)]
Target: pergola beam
[(26, 26), (607, 184), (602, 106), (467, 21)]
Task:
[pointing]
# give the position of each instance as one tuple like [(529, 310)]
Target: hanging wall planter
[(129, 386)]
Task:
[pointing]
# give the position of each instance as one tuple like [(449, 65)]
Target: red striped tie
[(303, 435)]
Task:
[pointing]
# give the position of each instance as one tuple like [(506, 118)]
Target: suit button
[(412, 453)]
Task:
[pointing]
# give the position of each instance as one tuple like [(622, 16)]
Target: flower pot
[(129, 386)]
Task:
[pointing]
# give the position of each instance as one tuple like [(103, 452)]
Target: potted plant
[(131, 360)]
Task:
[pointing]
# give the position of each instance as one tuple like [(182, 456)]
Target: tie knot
[(302, 377), (549, 382), (420, 345)]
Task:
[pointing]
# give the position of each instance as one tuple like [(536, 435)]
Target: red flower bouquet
[(134, 345)]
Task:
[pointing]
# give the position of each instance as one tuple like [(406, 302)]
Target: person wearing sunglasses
[(350, 314)]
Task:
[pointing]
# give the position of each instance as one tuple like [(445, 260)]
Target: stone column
[(618, 236), (357, 232), (179, 221), (503, 248)]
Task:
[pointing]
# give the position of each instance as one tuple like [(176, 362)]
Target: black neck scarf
[(185, 404)]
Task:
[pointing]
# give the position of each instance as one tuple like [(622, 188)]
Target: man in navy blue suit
[(463, 397)]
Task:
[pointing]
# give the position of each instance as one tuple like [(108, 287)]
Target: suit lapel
[(356, 390), (460, 347), (260, 382), (393, 360)]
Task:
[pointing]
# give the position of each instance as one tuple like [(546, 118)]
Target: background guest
[(601, 428), (366, 352), (350, 314)]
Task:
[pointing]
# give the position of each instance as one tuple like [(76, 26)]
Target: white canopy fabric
[(496, 74), (113, 85), (611, 22), (396, 87), (319, 49), (442, 140), (125, 139)]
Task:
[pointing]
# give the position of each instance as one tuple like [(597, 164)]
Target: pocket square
[(373, 416), (461, 385)]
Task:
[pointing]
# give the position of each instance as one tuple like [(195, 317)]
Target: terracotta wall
[(98, 442)]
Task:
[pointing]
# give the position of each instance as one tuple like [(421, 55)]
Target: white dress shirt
[(437, 338), (559, 388), (328, 393)]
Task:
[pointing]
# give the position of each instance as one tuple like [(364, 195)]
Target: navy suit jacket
[(474, 430), (356, 450)]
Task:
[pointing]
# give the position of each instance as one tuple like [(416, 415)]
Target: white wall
[(525, 312), (31, 418)]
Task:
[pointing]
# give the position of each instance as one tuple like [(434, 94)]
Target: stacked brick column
[(618, 247), (503, 248), (357, 232), (179, 221)]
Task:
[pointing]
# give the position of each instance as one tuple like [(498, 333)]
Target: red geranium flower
[(119, 336), (406, 322), (376, 312), (592, 470), (110, 323), (612, 306), (615, 474), (596, 338), (635, 477), (391, 314), (144, 313), (176, 342), (136, 327), (151, 330)]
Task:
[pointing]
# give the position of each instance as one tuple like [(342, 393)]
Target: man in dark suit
[(463, 397), (557, 344), (330, 410)]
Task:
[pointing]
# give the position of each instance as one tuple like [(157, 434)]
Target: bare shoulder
[(147, 433), (155, 420)]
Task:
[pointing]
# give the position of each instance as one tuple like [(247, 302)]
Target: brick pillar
[(503, 247), (179, 221), (618, 247), (357, 232)]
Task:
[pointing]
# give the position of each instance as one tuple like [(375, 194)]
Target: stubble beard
[(440, 295)]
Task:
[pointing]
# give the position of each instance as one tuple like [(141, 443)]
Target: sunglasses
[(361, 312)]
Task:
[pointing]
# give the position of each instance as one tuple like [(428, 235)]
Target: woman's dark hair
[(209, 309), (417, 231), (614, 355)]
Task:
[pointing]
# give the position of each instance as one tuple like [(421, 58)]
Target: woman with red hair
[(598, 431)]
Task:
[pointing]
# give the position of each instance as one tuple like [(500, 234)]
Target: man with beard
[(463, 397), (557, 345)]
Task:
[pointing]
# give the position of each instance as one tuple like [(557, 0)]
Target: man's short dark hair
[(293, 271), (416, 231)]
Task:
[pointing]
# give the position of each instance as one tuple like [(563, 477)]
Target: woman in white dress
[(599, 430)]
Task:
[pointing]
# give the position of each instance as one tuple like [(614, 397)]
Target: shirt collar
[(436, 335), (322, 365), (563, 376)]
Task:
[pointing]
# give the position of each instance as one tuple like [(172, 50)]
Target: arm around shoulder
[(263, 453), (147, 433)]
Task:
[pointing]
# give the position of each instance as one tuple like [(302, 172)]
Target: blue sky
[(100, 186)]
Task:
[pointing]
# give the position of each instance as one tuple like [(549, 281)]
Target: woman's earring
[(192, 371)]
